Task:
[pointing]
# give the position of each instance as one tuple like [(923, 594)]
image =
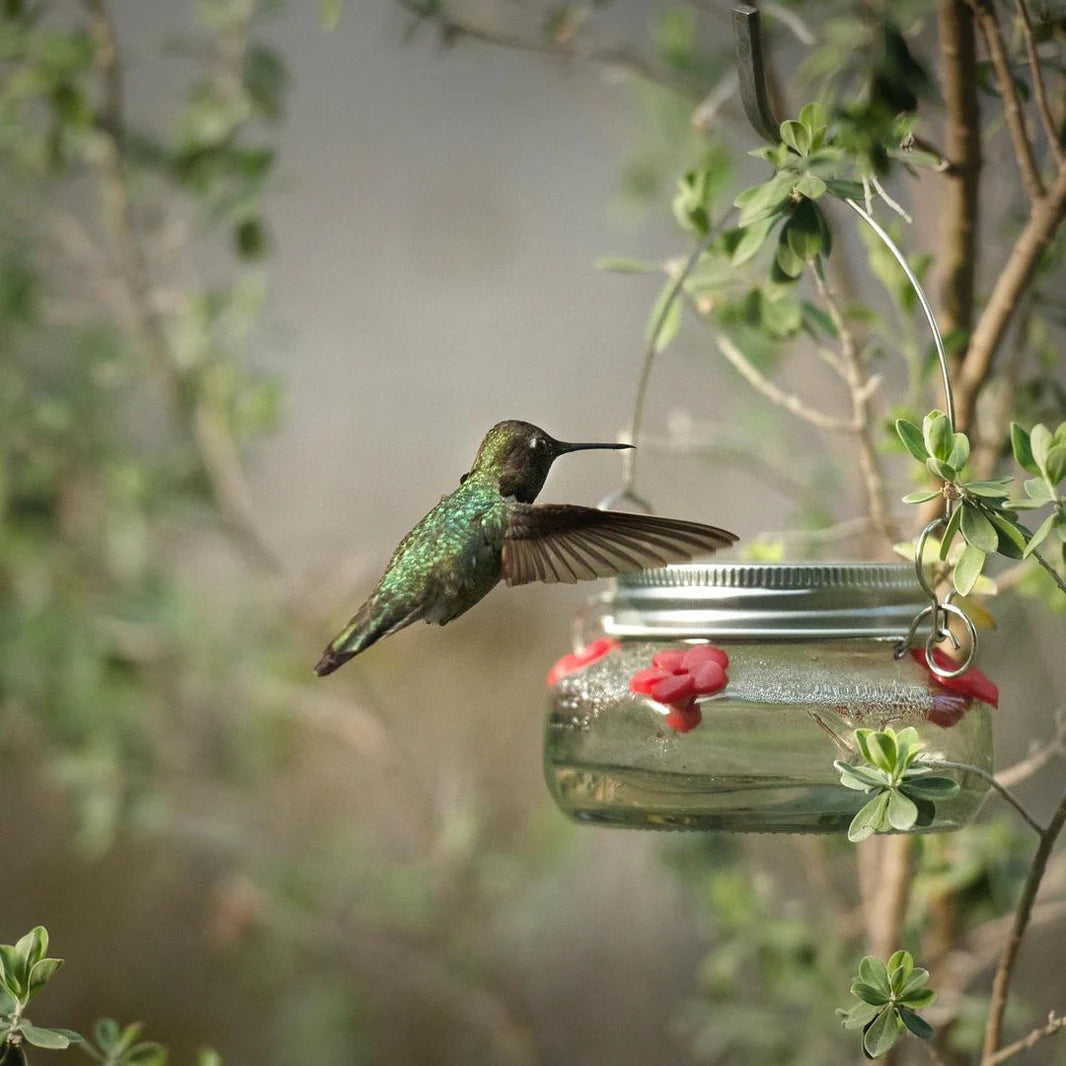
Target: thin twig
[(1039, 88), (1005, 969), (613, 58), (1054, 1025), (996, 784), (1050, 569), (629, 476), (858, 388), (826, 535), (1008, 91), (786, 400), (1033, 764)]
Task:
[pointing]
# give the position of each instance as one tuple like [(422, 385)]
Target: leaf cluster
[(889, 998), (905, 794), (983, 517), (25, 968)]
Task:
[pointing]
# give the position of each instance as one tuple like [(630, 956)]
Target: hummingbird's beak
[(562, 447)]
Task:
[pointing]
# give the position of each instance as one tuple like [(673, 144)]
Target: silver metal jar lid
[(766, 601)]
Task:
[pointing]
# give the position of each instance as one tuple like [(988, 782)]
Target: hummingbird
[(489, 529)]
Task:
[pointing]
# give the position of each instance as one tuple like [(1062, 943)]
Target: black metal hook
[(747, 41)]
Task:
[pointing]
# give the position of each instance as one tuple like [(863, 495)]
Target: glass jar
[(810, 652)]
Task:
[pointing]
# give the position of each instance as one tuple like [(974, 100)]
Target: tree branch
[(616, 58), (1054, 1025), (1032, 764), (1005, 969), (962, 150), (995, 783), (1039, 88), (1046, 216), (786, 400), (1012, 108)]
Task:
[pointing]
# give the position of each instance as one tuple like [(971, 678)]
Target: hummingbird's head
[(519, 455)]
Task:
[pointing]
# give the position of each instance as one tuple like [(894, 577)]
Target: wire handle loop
[(751, 73)]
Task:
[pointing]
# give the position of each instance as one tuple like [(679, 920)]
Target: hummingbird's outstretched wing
[(558, 542)]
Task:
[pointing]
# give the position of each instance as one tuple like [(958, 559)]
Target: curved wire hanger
[(751, 72)]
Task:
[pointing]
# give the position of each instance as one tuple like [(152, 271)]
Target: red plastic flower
[(972, 684), (575, 661), (678, 678)]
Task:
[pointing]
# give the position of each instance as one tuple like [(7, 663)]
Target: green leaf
[(860, 1015), (752, 237), (939, 468), (804, 235), (32, 946), (1023, 452), (14, 970), (911, 436), (782, 316), (860, 778), (52, 1039), (1055, 464), (992, 490), (900, 965), (1036, 488), (667, 307), (920, 497), (845, 189), (869, 994), (811, 186), (960, 451), (931, 788), (919, 1026), (1040, 441), (883, 750), (869, 820), (208, 1057), (873, 971), (936, 432), (902, 811), (909, 745), (919, 998), (968, 569), (796, 136), (106, 1033), (882, 1034), (1040, 535), (41, 972), (978, 530), (813, 115), (763, 200), (148, 1053), (791, 264), (949, 532)]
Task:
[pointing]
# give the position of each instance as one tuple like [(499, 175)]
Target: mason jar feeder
[(719, 696)]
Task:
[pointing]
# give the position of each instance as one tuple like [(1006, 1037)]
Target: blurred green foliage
[(123, 417)]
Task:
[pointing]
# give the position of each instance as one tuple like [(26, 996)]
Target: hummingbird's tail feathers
[(332, 660), (367, 626)]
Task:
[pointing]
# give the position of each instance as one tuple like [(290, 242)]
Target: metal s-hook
[(751, 74)]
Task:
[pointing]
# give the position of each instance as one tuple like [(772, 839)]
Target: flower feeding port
[(775, 697)]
